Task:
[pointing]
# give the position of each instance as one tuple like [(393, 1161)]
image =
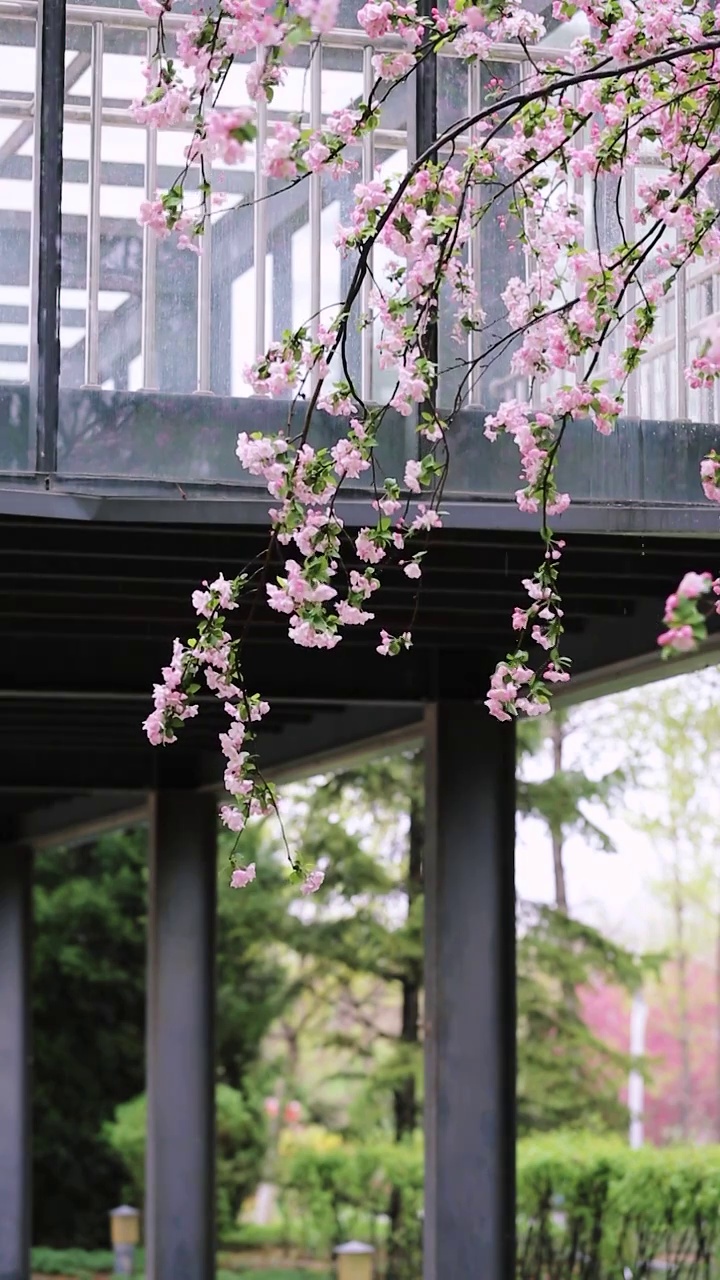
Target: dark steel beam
[(15, 932), (180, 1166), (469, 995), (50, 125), (75, 821)]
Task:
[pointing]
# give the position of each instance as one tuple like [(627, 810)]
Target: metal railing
[(672, 349), (99, 114)]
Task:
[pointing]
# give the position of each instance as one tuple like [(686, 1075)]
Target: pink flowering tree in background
[(641, 86)]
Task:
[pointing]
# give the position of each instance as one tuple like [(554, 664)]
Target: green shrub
[(589, 1206), (252, 1235), (241, 1138), (274, 1273), (333, 1194), (71, 1262), (81, 1264)]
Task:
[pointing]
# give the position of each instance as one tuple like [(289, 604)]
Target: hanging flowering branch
[(546, 156)]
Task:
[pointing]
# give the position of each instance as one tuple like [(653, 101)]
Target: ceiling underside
[(88, 613)]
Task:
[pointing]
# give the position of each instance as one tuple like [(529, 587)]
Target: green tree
[(561, 799), (89, 1007), (566, 1075), (241, 1134), (366, 930), (672, 738), (253, 981)]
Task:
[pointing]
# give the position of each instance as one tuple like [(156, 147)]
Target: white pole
[(636, 1084)]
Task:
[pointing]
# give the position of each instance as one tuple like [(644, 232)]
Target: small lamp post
[(355, 1261), (124, 1235)]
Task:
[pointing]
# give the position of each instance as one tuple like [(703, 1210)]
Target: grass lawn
[(274, 1274), (86, 1264)]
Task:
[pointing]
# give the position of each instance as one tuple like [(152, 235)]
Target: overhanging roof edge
[(165, 502)]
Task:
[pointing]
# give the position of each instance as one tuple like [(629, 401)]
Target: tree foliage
[(566, 1074), (240, 1134), (88, 1010)]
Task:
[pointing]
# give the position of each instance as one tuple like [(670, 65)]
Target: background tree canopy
[(320, 1002), (88, 1011)]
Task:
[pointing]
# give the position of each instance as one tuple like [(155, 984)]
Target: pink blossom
[(153, 8), (694, 585), (303, 633), (321, 14), (556, 675), (351, 616), (367, 549), (427, 518), (362, 583), (412, 475), (540, 637), (312, 882), (390, 66), (496, 709), (681, 639), (279, 599), (533, 706), (242, 876), (152, 214), (559, 504), (227, 133), (348, 459), (412, 570), (375, 19)]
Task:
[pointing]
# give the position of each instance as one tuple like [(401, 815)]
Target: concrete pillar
[(470, 995), (180, 1167), (15, 939)]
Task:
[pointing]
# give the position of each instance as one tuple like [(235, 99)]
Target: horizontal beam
[(73, 822), (331, 740), (635, 673), (644, 480), (160, 502), (359, 736)]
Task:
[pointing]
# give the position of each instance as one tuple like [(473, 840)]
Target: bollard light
[(124, 1235), (355, 1261)]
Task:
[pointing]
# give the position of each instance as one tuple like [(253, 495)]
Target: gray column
[(470, 995), (180, 1166), (15, 929)]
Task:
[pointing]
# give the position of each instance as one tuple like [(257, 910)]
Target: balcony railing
[(144, 328)]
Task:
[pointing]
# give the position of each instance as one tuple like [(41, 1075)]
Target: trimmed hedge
[(335, 1194), (588, 1207), (591, 1209)]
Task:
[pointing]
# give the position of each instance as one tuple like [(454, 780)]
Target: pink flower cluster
[(516, 687), (535, 435), (213, 655), (710, 476), (686, 613)]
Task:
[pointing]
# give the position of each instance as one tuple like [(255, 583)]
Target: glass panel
[(17, 77)]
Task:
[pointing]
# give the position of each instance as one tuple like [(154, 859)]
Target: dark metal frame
[(50, 151)]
